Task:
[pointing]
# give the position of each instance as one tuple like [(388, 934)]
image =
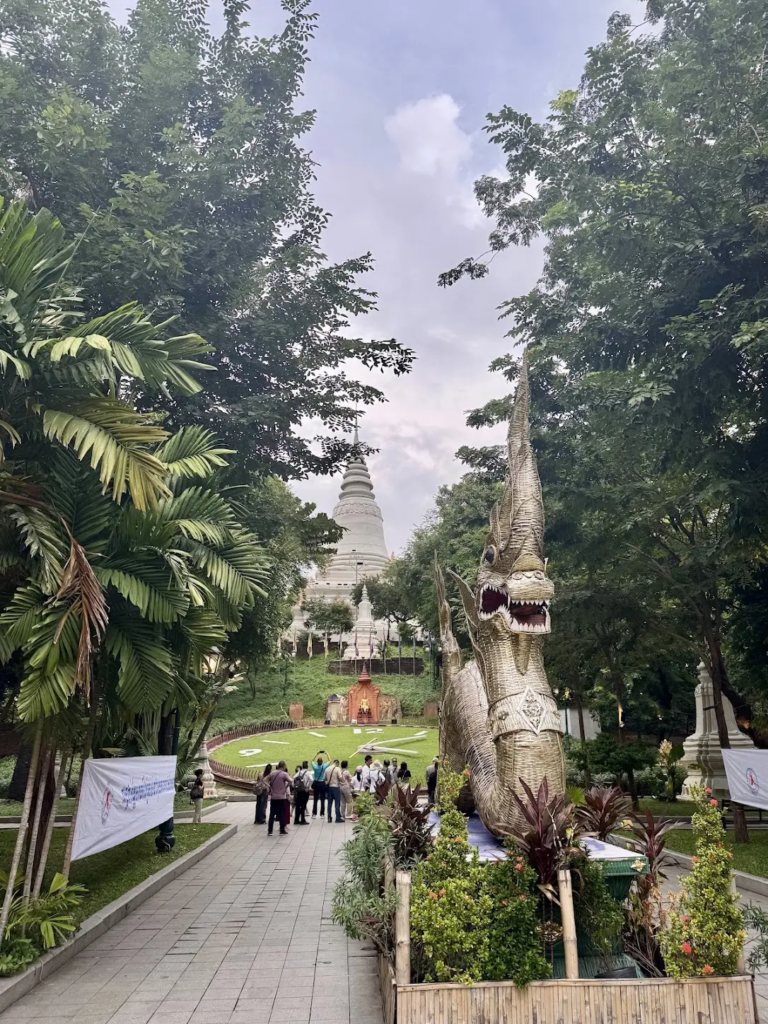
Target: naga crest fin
[(517, 519), (443, 608)]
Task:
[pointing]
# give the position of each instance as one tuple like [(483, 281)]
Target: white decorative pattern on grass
[(250, 753), (321, 735), (281, 743)]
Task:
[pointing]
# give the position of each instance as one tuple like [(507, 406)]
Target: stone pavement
[(243, 937)]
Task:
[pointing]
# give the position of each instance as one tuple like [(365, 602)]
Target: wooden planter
[(572, 1001)]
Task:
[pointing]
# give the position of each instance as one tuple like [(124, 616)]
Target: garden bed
[(106, 876), (588, 1001)]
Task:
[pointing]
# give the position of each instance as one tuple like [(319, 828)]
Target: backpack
[(197, 792), (303, 782)]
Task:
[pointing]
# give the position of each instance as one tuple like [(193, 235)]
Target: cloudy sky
[(402, 88)]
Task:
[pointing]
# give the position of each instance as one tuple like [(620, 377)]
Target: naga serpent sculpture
[(498, 715)]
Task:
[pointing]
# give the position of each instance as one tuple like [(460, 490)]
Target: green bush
[(39, 924), (705, 933), (451, 926), (598, 913), (360, 906), (515, 950)]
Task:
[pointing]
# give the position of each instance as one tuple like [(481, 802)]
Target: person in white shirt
[(377, 775), (367, 772)]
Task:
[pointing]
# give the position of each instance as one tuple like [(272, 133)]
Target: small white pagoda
[(703, 757)]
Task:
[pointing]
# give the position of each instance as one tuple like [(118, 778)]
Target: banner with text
[(747, 772), (121, 798)]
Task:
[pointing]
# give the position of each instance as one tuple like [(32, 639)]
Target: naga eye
[(490, 555)]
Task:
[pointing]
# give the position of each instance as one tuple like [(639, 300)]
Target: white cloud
[(428, 137)]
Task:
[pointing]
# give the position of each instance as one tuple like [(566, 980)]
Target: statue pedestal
[(703, 755)]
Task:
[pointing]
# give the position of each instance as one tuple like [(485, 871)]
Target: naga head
[(513, 590)]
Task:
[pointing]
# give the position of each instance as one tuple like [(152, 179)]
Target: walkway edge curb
[(744, 882), (12, 989)]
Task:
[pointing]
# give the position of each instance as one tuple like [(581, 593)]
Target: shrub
[(409, 825), (359, 906), (515, 950), (599, 914), (40, 924), (603, 810), (705, 933), (449, 786), (451, 927)]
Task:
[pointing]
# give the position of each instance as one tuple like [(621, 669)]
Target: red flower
[(686, 948), (519, 867), (708, 791), (686, 920), (707, 969), (428, 856), (713, 803), (503, 903), (441, 893), (433, 895), (694, 860)]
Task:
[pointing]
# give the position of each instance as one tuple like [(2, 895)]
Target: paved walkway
[(244, 937)]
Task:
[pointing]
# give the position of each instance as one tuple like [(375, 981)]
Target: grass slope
[(752, 858), (340, 741), (66, 805), (112, 873), (266, 695)]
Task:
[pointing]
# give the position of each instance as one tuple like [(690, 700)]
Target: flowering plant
[(705, 933)]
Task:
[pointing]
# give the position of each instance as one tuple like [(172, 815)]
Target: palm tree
[(121, 564)]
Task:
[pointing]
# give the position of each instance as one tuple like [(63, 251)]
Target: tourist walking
[(319, 768), (432, 781), (261, 789), (376, 775), (280, 785), (196, 794), (333, 790), (367, 762), (347, 799), (357, 788), (302, 787)]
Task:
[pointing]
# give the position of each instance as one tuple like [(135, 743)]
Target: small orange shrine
[(364, 700)]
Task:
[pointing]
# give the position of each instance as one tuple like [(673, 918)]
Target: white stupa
[(362, 551)]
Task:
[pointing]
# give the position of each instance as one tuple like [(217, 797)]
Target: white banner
[(121, 798), (747, 772)]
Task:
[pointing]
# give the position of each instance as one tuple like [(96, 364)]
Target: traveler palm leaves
[(117, 554)]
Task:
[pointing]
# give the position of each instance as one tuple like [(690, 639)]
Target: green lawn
[(752, 857), (265, 696), (341, 742), (664, 809), (109, 874)]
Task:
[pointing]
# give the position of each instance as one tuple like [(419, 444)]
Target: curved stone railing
[(245, 777)]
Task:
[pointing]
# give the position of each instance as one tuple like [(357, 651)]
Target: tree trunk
[(21, 834), (41, 787), (43, 860), (87, 745), (204, 730), (18, 784), (717, 674), (632, 786)]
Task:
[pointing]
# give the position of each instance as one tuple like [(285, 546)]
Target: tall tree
[(648, 324), (177, 155)]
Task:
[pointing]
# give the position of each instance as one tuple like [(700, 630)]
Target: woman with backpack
[(261, 789), (196, 795), (302, 787)]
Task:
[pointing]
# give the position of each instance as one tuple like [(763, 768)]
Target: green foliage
[(514, 942), (409, 825), (450, 927), (705, 933), (618, 761), (35, 925), (360, 904), (329, 616), (271, 687), (450, 785), (176, 156), (598, 913)]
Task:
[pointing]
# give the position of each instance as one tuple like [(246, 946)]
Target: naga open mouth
[(523, 616)]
